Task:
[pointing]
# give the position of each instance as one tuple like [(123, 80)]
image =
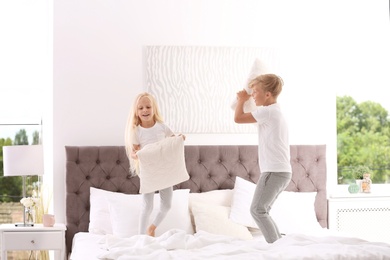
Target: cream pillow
[(125, 213), (215, 219), (214, 197), (162, 164), (293, 212)]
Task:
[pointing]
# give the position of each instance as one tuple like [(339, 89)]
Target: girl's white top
[(158, 132), (274, 147)]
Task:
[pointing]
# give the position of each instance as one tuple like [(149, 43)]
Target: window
[(363, 139), (11, 210), (362, 60), (24, 133)]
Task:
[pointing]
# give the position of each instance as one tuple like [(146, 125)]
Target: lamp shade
[(23, 160)]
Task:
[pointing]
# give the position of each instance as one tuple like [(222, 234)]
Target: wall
[(99, 64)]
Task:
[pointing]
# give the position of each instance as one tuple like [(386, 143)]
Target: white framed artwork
[(195, 85)]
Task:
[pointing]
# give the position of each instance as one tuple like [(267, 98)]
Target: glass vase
[(30, 215)]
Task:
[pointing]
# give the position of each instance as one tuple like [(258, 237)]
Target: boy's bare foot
[(151, 230)]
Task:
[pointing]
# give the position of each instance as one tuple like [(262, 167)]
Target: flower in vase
[(30, 202)]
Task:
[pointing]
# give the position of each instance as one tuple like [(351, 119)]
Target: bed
[(210, 216)]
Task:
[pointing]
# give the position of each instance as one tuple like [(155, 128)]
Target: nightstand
[(33, 238), (366, 216)]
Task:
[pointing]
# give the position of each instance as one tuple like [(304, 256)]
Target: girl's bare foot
[(151, 230)]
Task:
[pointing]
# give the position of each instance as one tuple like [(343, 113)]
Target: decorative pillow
[(162, 164), (214, 197), (215, 219), (125, 213), (99, 216), (293, 212)]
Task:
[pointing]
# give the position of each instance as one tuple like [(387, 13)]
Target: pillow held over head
[(256, 70)]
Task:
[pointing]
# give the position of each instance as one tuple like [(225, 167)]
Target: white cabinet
[(364, 216), (33, 238)]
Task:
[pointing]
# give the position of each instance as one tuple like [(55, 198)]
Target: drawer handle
[(32, 242)]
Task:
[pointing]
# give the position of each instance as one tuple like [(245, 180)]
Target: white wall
[(99, 65)]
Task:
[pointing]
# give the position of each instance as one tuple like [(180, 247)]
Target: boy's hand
[(242, 95)]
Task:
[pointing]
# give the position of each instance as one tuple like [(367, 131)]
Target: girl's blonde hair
[(133, 121), (268, 82)]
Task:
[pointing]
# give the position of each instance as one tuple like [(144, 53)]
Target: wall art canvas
[(196, 85)]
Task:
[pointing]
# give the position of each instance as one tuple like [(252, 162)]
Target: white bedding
[(177, 244), (223, 230)]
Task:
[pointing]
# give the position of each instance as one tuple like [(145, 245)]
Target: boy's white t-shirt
[(274, 147), (144, 136)]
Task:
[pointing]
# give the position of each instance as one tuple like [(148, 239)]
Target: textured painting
[(195, 86)]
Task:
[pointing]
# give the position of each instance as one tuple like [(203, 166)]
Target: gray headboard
[(209, 167)]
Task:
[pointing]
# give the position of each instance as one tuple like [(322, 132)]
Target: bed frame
[(209, 167)]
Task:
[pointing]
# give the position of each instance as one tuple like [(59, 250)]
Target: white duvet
[(176, 244)]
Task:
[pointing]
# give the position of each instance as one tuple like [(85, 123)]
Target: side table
[(37, 237)]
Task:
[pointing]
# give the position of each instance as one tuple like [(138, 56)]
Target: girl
[(274, 148), (145, 126)]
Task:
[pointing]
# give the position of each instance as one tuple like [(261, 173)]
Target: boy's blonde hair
[(268, 82), (133, 121)]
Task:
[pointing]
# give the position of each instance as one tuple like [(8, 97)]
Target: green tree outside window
[(363, 138)]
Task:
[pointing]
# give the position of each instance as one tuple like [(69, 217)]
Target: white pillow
[(99, 216), (256, 70), (241, 201), (293, 212), (125, 213), (215, 219)]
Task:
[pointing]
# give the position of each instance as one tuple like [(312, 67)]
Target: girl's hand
[(134, 155), (136, 148), (183, 136)]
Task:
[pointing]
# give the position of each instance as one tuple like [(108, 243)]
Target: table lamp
[(23, 160)]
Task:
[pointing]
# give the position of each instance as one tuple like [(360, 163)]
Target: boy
[(274, 148)]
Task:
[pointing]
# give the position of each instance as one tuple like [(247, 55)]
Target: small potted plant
[(360, 172)]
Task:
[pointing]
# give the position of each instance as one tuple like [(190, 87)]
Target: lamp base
[(24, 224)]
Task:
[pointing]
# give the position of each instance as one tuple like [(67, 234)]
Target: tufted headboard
[(209, 167)]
